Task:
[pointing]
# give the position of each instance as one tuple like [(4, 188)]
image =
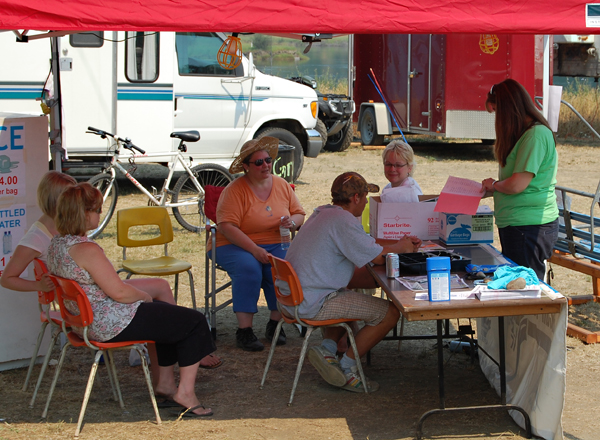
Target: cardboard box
[(467, 229), (395, 220)]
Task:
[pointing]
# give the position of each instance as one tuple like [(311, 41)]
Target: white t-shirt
[(37, 238), (324, 254), (407, 192)]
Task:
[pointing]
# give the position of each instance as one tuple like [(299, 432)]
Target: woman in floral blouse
[(123, 311)]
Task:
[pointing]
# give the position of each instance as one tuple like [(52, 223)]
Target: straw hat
[(267, 143)]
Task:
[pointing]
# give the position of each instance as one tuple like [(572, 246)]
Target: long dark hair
[(513, 107)]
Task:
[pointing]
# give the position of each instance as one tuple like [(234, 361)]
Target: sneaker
[(270, 332), (327, 365), (354, 383), (247, 341)]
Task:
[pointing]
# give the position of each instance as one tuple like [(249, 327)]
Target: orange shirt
[(258, 219)]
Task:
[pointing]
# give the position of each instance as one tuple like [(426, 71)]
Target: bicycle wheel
[(110, 192), (191, 217)]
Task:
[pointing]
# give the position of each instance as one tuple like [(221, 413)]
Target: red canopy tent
[(299, 16)]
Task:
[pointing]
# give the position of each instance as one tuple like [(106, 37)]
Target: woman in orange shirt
[(249, 213)]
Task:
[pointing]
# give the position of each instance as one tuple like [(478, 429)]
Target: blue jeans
[(529, 245), (248, 276)]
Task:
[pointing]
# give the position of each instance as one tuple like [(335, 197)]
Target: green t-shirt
[(535, 152)]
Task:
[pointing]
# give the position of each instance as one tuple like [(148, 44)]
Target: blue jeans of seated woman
[(530, 245), (248, 276)]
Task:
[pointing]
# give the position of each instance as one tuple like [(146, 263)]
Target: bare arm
[(90, 257), (515, 184), (11, 276), (297, 218), (406, 244), (237, 237)]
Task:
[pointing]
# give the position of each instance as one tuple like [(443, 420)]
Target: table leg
[(502, 369)]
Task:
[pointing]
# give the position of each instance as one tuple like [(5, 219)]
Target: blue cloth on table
[(506, 274)]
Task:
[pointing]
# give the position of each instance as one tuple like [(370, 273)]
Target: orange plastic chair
[(47, 316), (69, 290), (282, 270)]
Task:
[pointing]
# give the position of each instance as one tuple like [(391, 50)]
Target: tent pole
[(56, 144), (546, 77)]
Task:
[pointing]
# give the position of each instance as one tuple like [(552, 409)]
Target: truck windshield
[(197, 54)]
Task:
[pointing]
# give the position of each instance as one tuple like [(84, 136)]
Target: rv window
[(141, 56), (197, 55), (87, 39)]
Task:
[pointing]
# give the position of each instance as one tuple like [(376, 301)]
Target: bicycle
[(187, 196)]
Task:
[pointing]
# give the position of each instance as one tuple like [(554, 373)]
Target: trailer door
[(419, 82)]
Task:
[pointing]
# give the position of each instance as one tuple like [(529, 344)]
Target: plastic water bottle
[(286, 236)]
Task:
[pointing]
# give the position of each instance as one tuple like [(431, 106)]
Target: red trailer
[(437, 84)]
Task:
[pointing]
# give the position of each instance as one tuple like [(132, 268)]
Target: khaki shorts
[(348, 304)]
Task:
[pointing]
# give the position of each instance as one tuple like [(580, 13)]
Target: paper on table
[(459, 196)]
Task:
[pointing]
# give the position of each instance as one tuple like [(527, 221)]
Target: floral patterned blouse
[(110, 317)]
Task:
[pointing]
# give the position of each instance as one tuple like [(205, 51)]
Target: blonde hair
[(50, 188), (72, 206), (403, 150)]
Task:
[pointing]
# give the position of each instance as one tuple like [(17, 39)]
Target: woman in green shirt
[(524, 200)]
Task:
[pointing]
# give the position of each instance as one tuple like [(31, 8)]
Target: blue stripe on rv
[(19, 93), (144, 95), (222, 97)]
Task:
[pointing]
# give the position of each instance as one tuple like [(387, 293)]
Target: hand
[(147, 298), (261, 255), (487, 185), (406, 244), (416, 242), (286, 222), (45, 283)]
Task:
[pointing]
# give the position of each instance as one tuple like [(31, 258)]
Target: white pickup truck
[(145, 85)]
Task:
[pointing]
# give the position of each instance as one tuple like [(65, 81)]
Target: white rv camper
[(145, 85)]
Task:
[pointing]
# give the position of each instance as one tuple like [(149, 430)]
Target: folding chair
[(155, 267), (211, 197), (69, 290), (283, 270), (47, 316)]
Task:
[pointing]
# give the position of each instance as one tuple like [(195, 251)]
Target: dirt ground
[(408, 377)]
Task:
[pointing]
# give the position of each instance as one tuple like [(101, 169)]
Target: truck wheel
[(368, 129), (341, 140), (286, 138), (322, 129)]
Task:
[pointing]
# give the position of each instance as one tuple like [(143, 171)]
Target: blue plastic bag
[(506, 274)]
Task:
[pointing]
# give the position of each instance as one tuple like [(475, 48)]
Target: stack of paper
[(485, 294)]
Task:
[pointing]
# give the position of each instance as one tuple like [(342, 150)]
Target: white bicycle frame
[(116, 163)]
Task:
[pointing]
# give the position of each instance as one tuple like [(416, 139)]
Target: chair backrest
[(282, 270), (39, 269), (144, 216), (69, 290), (211, 199)]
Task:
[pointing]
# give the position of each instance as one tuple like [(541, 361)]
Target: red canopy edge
[(300, 16)]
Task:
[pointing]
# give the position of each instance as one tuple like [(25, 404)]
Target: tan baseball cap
[(346, 185)]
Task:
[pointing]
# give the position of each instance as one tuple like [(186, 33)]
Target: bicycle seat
[(187, 136)]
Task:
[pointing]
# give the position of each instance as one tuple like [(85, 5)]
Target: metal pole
[(56, 141)]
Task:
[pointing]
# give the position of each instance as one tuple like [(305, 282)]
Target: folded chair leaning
[(69, 290), (283, 270)]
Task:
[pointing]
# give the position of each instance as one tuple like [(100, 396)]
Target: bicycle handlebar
[(125, 142)]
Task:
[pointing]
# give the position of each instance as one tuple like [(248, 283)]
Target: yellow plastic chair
[(154, 267)]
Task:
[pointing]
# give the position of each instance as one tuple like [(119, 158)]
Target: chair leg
[(88, 389), (55, 336), (112, 377), (148, 382), (176, 289), (356, 356), (192, 290), (271, 352), (35, 353), (300, 363), (56, 374)]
